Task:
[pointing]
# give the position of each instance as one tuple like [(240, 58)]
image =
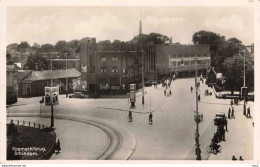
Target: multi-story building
[(111, 67), (65, 63), (180, 59)]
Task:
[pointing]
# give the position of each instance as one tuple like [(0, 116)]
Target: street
[(170, 137)]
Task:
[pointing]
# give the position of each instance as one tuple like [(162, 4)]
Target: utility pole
[(140, 32), (52, 117), (244, 82), (66, 75), (197, 115)]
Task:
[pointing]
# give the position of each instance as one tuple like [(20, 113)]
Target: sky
[(36, 24)]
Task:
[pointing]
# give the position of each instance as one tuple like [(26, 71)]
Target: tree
[(154, 38), (214, 40), (23, 47), (104, 45), (13, 46), (36, 62), (47, 48), (229, 48), (63, 48), (233, 71)]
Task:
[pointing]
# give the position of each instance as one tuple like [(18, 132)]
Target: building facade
[(180, 59), (33, 83), (11, 84), (112, 67)]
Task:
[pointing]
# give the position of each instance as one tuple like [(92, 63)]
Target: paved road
[(171, 137)]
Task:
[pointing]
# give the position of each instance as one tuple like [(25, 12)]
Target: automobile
[(219, 118), (78, 95)]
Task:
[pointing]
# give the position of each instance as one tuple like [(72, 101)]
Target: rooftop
[(50, 74)]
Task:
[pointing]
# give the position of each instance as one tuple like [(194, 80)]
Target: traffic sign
[(244, 91)]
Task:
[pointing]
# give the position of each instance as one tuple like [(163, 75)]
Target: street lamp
[(52, 117), (197, 115), (66, 74), (243, 52)]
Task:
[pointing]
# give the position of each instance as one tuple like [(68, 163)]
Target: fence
[(49, 153), (27, 123)]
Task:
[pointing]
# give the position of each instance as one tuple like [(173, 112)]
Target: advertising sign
[(51, 95)]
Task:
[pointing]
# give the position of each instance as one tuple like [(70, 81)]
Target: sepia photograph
[(130, 83)]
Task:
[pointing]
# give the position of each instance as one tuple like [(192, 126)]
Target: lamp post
[(66, 74), (244, 82), (197, 119), (52, 117)]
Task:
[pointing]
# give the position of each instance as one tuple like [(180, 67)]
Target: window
[(114, 70), (199, 55), (103, 59), (114, 58), (186, 63), (186, 55), (103, 70), (180, 63), (172, 63)]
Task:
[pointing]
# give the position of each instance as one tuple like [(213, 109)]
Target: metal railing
[(27, 123)]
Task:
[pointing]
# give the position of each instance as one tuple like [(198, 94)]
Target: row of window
[(187, 63), (174, 56), (114, 58), (114, 70)]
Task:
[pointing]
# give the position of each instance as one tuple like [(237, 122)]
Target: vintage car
[(78, 95), (219, 119)]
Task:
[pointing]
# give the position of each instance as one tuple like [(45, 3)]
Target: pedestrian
[(234, 158), (232, 113), (225, 123), (229, 111), (130, 115), (198, 153), (170, 92), (191, 89), (241, 159), (199, 98), (218, 136), (215, 138), (231, 102), (222, 133), (164, 92), (248, 112), (58, 149), (150, 118)]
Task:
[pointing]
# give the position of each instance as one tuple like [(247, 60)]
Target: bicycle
[(211, 150)]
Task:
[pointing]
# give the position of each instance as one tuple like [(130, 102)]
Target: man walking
[(229, 111), (191, 89), (232, 113), (248, 112), (150, 118), (225, 123)]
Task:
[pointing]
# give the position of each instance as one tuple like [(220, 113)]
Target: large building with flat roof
[(180, 59)]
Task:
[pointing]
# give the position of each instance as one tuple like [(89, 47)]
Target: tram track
[(114, 138)]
